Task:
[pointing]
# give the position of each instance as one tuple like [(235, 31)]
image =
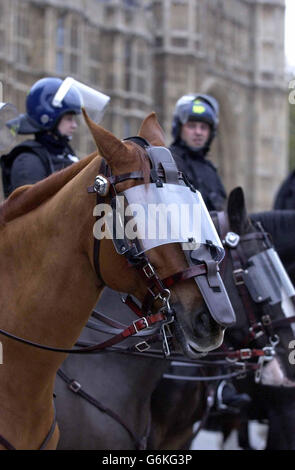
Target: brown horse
[(49, 284)]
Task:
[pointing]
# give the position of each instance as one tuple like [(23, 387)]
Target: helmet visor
[(8, 112), (92, 100)]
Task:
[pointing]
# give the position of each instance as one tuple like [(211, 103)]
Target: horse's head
[(158, 271), (259, 289)]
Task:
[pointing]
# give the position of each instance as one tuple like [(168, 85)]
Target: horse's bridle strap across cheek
[(192, 271), (160, 287)]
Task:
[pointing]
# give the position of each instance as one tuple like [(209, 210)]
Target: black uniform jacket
[(202, 174)]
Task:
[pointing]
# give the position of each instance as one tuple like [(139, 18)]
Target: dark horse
[(49, 284), (174, 407)]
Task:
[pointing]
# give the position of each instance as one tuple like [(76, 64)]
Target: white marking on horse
[(273, 374)]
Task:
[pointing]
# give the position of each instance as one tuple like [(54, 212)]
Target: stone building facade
[(145, 54)]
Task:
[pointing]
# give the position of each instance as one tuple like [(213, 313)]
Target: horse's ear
[(107, 144), (237, 212), (151, 130)]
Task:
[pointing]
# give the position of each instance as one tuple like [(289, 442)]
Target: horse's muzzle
[(197, 332)]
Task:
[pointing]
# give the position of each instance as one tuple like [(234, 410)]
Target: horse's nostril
[(205, 319), (202, 324)]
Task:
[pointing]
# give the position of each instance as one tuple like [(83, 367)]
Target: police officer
[(285, 197), (52, 126), (194, 126)]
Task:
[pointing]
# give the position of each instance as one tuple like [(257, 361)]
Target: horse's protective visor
[(150, 216), (266, 278), (92, 100)]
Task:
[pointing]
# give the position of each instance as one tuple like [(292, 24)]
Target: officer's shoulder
[(25, 157), (209, 163)]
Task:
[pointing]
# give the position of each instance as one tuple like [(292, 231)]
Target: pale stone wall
[(145, 54)]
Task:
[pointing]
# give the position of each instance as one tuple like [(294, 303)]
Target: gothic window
[(136, 66), (74, 52), (22, 37), (179, 16), (60, 32), (128, 64), (94, 57), (68, 47), (60, 44)]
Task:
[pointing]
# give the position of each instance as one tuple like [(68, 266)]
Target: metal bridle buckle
[(75, 386), (245, 354), (256, 330), (148, 270), (242, 373), (140, 319), (274, 340), (165, 325), (269, 353), (237, 278), (165, 297), (266, 320), (232, 239), (143, 346)]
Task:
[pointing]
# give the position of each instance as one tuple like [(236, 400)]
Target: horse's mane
[(27, 198)]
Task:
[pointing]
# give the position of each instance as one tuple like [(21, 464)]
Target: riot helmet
[(51, 98), (41, 114), (196, 107)]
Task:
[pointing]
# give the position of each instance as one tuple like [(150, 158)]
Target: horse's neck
[(48, 286)]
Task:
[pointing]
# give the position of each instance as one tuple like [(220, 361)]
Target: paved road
[(207, 440)]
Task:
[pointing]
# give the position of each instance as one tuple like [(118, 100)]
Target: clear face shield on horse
[(165, 211), (276, 286)]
